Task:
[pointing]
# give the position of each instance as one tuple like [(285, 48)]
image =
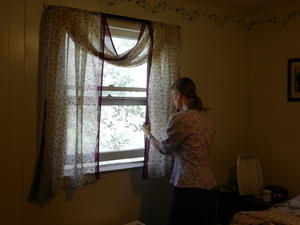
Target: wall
[(275, 122), (4, 99), (216, 58), (12, 109)]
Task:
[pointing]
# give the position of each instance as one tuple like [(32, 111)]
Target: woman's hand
[(146, 129), (151, 138)]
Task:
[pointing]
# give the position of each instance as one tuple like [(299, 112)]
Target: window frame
[(126, 30)]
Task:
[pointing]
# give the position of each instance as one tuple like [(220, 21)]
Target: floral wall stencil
[(156, 6)]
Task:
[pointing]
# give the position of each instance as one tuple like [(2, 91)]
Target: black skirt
[(193, 206)]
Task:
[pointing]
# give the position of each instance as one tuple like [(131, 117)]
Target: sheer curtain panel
[(165, 70), (73, 46)]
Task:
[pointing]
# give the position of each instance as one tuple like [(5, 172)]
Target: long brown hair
[(187, 87)]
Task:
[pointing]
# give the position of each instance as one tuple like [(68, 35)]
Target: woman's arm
[(155, 144), (151, 138), (174, 135)]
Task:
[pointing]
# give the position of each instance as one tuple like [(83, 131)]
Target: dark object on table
[(279, 193)]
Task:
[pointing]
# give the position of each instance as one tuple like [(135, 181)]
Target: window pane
[(120, 128), (123, 44), (124, 94), (125, 77)]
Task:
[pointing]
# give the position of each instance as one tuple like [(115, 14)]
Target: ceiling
[(250, 6)]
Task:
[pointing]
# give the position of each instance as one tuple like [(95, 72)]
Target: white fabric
[(70, 72), (266, 217), (165, 71), (71, 77), (137, 56)]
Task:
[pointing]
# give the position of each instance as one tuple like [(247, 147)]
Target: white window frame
[(128, 30)]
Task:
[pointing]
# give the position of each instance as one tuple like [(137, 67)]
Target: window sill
[(120, 166)]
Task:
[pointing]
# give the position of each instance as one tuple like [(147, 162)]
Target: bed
[(287, 213)]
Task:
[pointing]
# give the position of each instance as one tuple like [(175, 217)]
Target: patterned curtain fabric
[(74, 44), (165, 70), (136, 56)]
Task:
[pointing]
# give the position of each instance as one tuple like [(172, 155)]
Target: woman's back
[(192, 134)]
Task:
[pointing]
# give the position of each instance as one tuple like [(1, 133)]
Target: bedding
[(287, 213)]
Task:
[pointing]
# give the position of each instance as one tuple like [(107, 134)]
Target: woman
[(188, 137)]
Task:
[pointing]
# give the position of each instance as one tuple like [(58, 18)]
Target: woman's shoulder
[(192, 115), (179, 114), (193, 119), (185, 115), (177, 117)]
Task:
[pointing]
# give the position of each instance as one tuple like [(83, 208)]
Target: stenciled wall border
[(247, 24)]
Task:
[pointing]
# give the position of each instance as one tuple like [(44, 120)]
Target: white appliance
[(249, 174)]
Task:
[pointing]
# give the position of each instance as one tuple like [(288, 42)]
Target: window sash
[(123, 101), (123, 154), (110, 100), (133, 89)]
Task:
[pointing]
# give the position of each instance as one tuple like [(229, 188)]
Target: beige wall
[(218, 59), (12, 108), (275, 122), (4, 100)]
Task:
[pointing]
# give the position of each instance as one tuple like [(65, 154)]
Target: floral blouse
[(188, 137)]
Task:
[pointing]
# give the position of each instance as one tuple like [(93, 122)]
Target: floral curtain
[(165, 70), (73, 46)]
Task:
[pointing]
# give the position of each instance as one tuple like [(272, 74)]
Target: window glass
[(120, 128)]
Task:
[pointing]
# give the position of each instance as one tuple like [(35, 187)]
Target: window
[(123, 107), (70, 75)]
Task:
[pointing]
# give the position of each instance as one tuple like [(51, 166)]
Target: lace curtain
[(165, 70), (74, 44)]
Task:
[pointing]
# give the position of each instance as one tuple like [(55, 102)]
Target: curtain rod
[(126, 18), (46, 5)]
